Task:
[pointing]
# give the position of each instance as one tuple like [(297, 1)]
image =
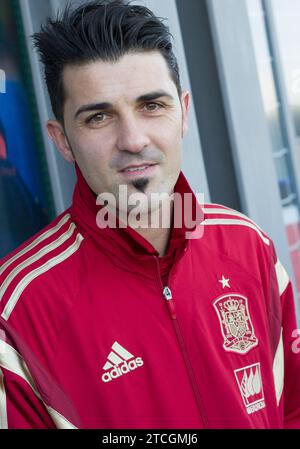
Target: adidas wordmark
[(120, 362)]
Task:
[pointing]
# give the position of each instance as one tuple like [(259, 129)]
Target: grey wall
[(248, 129), (209, 107)]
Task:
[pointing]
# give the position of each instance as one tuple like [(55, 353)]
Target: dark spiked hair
[(99, 30)]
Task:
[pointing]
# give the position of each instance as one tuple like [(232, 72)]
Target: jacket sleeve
[(291, 345), (287, 358), (30, 397), (21, 406)]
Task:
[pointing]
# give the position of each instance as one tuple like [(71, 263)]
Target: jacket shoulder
[(231, 222), (239, 238), (36, 259)]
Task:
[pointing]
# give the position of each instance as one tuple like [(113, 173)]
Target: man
[(138, 327)]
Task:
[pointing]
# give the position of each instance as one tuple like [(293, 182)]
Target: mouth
[(138, 170)]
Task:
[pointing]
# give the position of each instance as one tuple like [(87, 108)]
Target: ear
[(57, 134), (185, 105)]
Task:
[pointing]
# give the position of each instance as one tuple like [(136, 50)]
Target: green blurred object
[(28, 83)]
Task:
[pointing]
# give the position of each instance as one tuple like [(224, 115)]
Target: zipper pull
[(170, 303)]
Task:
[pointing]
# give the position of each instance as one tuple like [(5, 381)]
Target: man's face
[(124, 124)]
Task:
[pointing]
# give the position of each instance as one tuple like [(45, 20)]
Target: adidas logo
[(120, 362)]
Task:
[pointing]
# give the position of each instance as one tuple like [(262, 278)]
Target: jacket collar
[(125, 245)]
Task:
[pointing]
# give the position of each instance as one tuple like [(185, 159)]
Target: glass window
[(287, 20), (25, 199), (273, 110)]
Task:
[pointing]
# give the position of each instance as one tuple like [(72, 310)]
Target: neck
[(159, 238), (158, 228)]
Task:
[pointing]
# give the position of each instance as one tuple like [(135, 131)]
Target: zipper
[(170, 303), (168, 297)]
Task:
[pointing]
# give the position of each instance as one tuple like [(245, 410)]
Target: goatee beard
[(141, 184)]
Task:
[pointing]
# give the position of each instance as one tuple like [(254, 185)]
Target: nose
[(130, 135)]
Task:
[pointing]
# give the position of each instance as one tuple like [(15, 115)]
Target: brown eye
[(96, 118), (152, 107)]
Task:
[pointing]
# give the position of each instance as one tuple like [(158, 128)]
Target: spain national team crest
[(235, 322)]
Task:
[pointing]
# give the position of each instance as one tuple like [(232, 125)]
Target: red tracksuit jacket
[(98, 332)]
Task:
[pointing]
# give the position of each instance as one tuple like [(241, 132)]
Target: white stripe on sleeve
[(35, 242), (235, 222), (11, 360), (59, 420), (278, 369), (282, 277), (11, 303), (35, 257), (3, 411)]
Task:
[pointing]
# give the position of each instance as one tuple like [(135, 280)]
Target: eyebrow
[(105, 105)]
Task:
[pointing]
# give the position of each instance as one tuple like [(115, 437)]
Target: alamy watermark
[(2, 82), (156, 210), (296, 342)]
